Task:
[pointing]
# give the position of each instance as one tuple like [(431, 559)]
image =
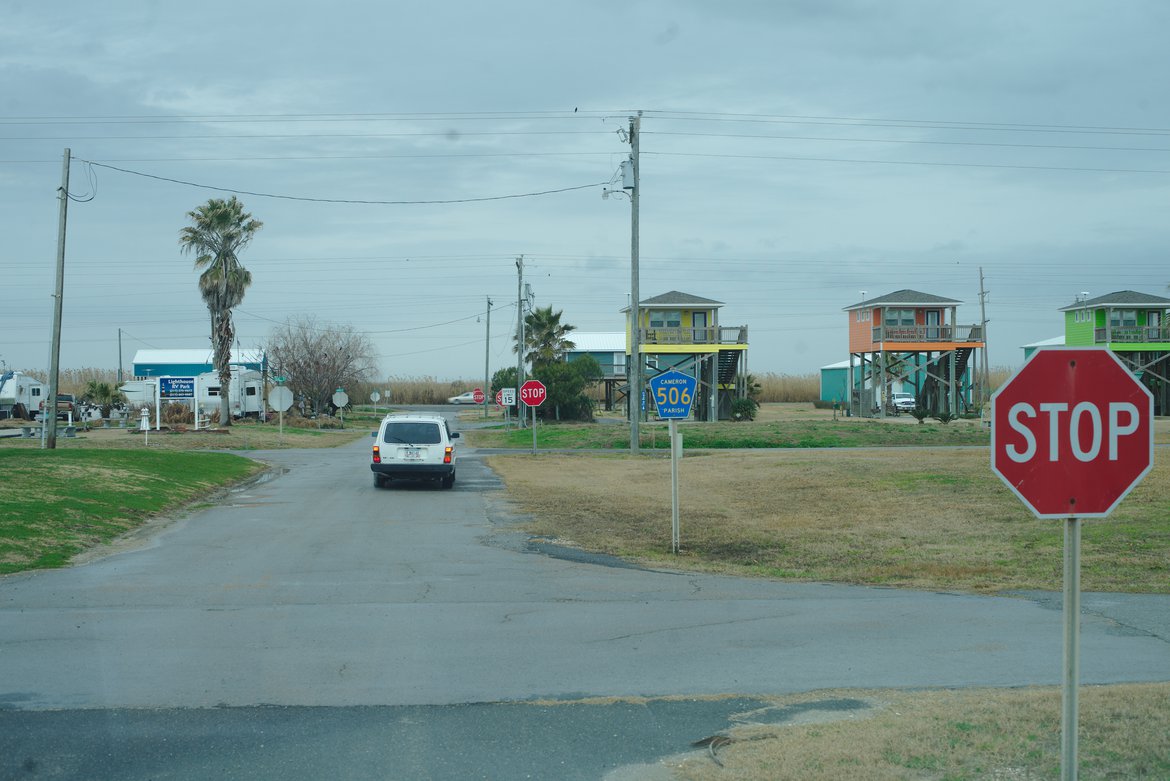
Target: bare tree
[(317, 359)]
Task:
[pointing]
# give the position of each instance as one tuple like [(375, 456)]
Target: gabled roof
[(1120, 298), (904, 298), (203, 355), (1055, 341), (599, 342), (676, 299)]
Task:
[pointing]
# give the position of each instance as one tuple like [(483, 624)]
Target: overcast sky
[(794, 155)]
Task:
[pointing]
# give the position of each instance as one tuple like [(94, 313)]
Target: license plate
[(412, 454)]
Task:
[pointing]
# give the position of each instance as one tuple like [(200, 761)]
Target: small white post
[(144, 426)]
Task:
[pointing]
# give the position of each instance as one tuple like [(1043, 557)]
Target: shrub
[(744, 409)]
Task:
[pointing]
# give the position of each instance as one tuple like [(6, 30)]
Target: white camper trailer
[(246, 394), (139, 393), (21, 395)]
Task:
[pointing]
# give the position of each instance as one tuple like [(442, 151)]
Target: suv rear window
[(413, 433)]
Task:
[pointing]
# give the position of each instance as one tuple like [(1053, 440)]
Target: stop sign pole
[(533, 393), (1072, 433)]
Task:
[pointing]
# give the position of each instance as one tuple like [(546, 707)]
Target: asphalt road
[(312, 626)]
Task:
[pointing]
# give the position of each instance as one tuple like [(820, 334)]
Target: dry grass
[(944, 735), (247, 436), (929, 519), (788, 387)]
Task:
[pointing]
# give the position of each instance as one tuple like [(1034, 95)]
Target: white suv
[(417, 446)]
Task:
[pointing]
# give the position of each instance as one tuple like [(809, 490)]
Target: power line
[(913, 141), (788, 119), (343, 200), (915, 162)]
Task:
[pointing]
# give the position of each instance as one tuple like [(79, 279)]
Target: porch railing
[(1129, 334), (712, 335), (928, 333)]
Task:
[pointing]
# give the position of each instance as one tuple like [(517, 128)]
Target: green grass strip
[(57, 503)]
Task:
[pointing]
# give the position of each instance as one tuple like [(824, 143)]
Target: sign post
[(533, 393), (340, 399), (281, 398), (506, 398), (674, 393), (1072, 433)]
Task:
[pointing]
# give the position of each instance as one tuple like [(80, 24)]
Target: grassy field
[(57, 504), (933, 519), (797, 433), (242, 436), (953, 735)]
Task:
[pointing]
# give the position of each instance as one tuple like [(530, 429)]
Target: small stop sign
[(1072, 432), (477, 395)]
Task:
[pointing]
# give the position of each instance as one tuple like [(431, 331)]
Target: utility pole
[(519, 338), (50, 409), (119, 356), (984, 391), (635, 297), (487, 344)]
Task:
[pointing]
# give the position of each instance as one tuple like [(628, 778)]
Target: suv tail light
[(377, 455), (447, 455)]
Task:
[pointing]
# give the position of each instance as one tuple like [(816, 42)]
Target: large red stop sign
[(1072, 432)]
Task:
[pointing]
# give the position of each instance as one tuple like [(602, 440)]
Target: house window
[(665, 318), (212, 390), (1123, 318), (36, 391), (899, 317), (250, 390), (863, 315)]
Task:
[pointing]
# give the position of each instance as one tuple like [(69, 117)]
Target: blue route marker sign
[(673, 393)]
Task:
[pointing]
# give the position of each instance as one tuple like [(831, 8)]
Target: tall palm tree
[(219, 229), (545, 337)]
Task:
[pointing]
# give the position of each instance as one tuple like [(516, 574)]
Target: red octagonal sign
[(533, 393), (1072, 432)]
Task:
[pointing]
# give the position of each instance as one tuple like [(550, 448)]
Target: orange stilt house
[(913, 337)]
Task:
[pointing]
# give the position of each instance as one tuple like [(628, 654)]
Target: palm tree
[(219, 230), (544, 337), (103, 395)]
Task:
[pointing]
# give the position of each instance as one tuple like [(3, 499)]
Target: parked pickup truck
[(66, 404), (902, 402)]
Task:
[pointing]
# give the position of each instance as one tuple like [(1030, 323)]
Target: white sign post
[(674, 393), (340, 399), (280, 398)]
